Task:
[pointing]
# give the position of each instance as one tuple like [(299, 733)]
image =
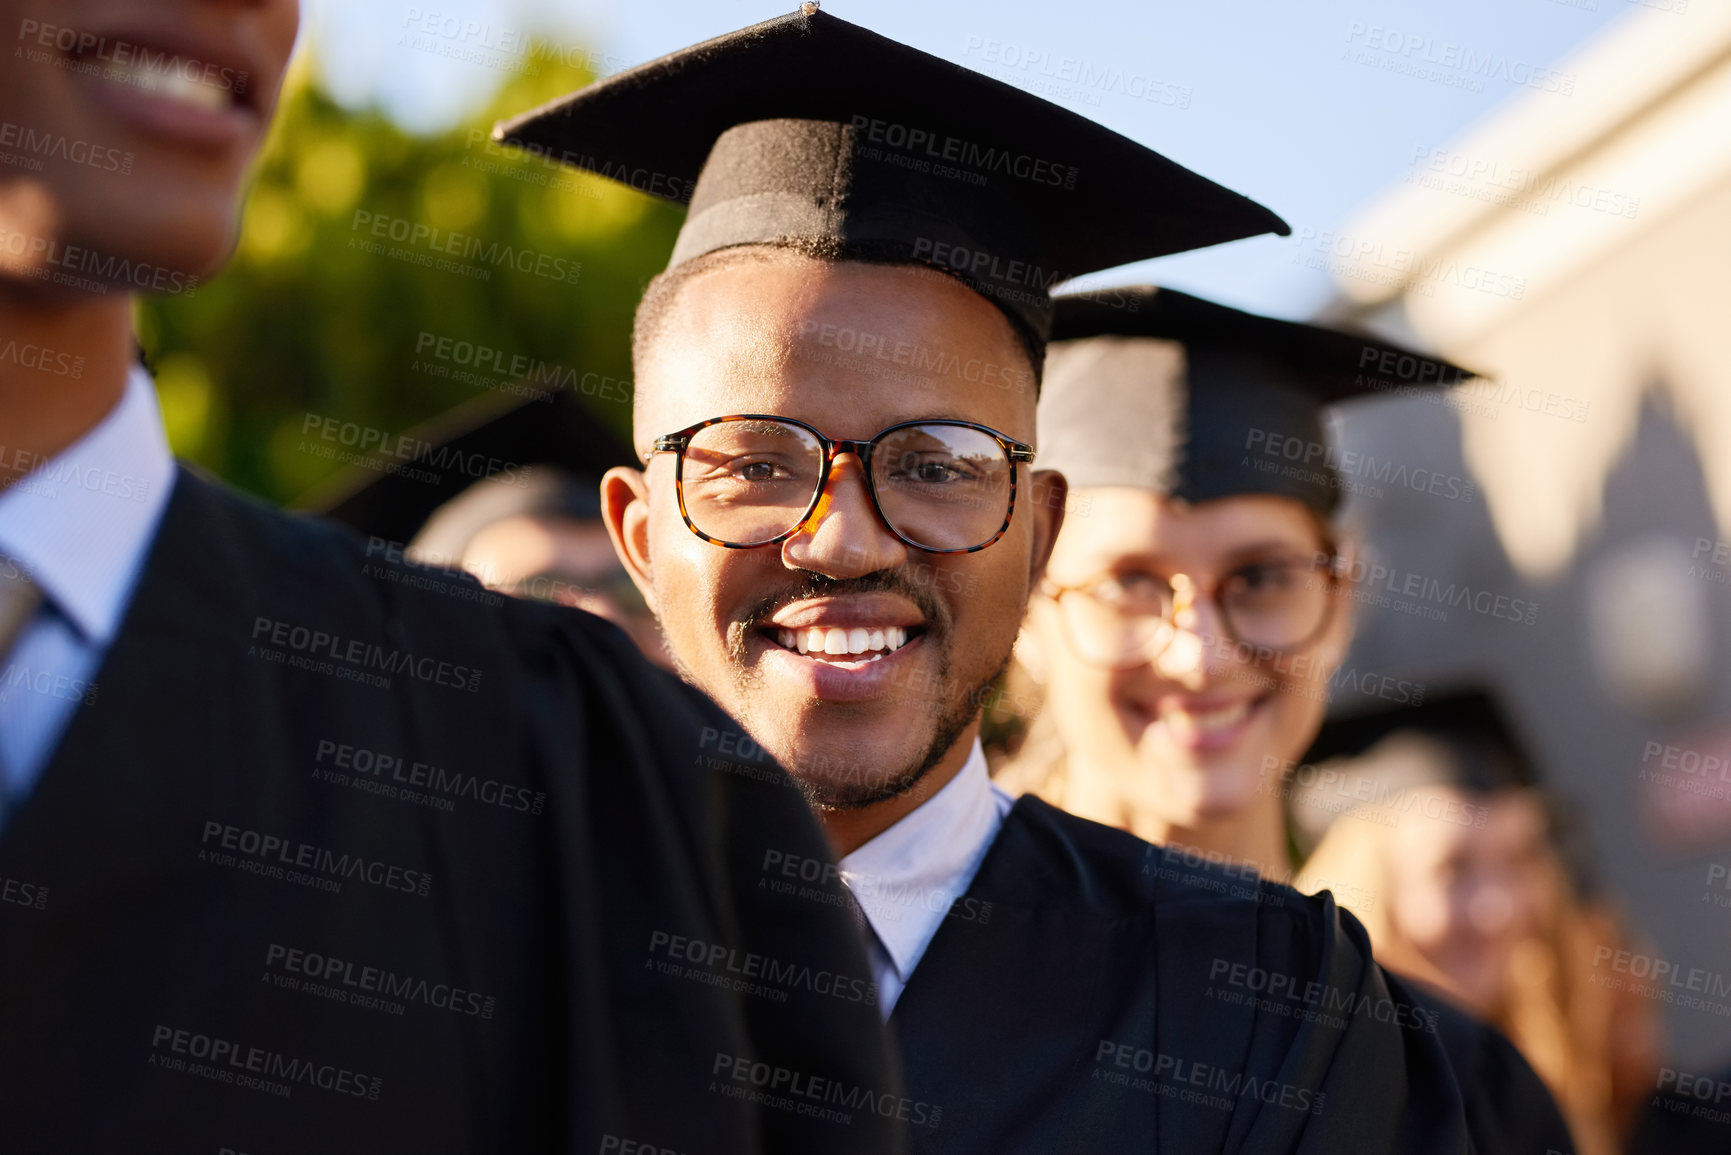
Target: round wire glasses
[(1122, 620)]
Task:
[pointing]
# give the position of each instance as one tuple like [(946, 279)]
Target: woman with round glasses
[(1197, 603)]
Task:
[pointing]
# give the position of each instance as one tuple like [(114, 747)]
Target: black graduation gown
[(514, 902), (1091, 992)]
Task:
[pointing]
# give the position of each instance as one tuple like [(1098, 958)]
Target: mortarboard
[(1155, 389), (509, 441), (807, 130), (1485, 750)]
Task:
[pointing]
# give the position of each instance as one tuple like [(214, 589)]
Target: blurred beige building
[(1577, 249)]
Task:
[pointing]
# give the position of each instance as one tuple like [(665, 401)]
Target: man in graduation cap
[(304, 850), (839, 525)]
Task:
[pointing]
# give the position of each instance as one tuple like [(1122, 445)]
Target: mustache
[(815, 585)]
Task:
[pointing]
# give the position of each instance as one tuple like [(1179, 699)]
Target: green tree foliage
[(320, 315)]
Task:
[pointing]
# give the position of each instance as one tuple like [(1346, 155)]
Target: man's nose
[(844, 537)]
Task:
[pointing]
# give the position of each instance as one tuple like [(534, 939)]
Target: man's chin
[(857, 781)]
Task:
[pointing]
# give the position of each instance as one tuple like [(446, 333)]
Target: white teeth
[(170, 84), (838, 642), (1221, 719)]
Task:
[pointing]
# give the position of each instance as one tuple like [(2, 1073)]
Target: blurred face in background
[(130, 124), (1463, 893), (568, 561), (1197, 731)]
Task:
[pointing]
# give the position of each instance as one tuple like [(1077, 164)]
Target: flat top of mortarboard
[(921, 139), (491, 436), (1468, 720)]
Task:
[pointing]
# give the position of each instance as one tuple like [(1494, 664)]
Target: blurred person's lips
[(172, 84), (845, 648), (1209, 722)]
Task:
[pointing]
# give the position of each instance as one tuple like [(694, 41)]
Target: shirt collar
[(906, 878), (81, 523)]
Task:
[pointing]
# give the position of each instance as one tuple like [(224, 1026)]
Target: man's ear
[(1048, 490), (625, 509)]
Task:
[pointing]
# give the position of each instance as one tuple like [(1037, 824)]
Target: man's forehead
[(844, 341)]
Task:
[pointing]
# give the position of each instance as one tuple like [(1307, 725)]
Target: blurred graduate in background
[(1436, 830)]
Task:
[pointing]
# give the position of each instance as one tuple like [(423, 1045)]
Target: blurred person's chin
[(153, 207)]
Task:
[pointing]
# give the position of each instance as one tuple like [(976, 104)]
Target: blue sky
[(1313, 107)]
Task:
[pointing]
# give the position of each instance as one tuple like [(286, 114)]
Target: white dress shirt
[(906, 878), (80, 524)]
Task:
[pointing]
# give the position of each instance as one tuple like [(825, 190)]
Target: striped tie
[(19, 598)]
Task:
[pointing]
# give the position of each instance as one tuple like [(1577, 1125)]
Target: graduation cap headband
[(1154, 389), (807, 130)]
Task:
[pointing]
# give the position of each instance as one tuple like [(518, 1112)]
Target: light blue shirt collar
[(82, 522)]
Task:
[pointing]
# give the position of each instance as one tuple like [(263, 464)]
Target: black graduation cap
[(1155, 389), (511, 441), (807, 130), (1485, 750)]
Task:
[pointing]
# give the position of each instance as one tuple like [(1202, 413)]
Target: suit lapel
[(136, 764)]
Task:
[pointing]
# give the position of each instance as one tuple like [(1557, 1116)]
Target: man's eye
[(755, 471)]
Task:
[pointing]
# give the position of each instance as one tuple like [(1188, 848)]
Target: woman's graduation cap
[(809, 131), (1155, 389), (1485, 749)]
